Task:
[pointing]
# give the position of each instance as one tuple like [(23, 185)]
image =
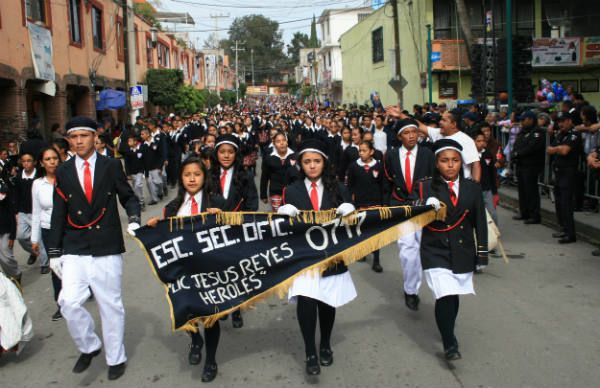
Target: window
[(97, 27), (75, 21), (137, 44), (120, 40), (362, 16), (163, 55), (377, 43), (37, 11), (149, 51)]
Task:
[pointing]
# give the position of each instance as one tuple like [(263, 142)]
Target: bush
[(163, 86), (189, 100)]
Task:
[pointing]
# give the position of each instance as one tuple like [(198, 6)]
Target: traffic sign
[(436, 56), (136, 97)]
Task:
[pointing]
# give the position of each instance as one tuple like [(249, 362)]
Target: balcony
[(452, 55)]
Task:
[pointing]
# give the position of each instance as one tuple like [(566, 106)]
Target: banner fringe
[(348, 256)]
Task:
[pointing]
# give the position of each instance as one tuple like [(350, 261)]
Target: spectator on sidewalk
[(593, 162)]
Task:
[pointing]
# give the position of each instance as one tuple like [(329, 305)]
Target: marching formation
[(312, 158)]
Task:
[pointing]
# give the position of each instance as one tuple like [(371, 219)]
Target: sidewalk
[(587, 225)]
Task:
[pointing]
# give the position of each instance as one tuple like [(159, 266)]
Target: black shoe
[(377, 267), (452, 354), (116, 371), (209, 373), (312, 366), (236, 320), (195, 355), (84, 361), (326, 357), (519, 218), (152, 203), (558, 234), (57, 316), (532, 221), (567, 240), (596, 252), (412, 301), (32, 259), (44, 270)]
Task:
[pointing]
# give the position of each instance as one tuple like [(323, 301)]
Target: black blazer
[(81, 228), (274, 173), (297, 195), (366, 187), (242, 192), (455, 248), (396, 192), (349, 156)]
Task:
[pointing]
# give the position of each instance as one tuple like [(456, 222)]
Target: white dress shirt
[(320, 189), (41, 211), (80, 168), (469, 150), (380, 140), (413, 160), (186, 207), (456, 186), (228, 179)]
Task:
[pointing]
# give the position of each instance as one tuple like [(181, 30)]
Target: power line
[(262, 6)]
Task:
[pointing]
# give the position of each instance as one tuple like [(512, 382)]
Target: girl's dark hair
[(279, 132), (590, 114), (368, 143), (207, 187), (477, 133), (437, 181), (330, 182), (239, 176), (42, 170)]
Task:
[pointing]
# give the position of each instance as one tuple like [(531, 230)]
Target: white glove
[(344, 209), (433, 201), (288, 210), (132, 227), (56, 266)]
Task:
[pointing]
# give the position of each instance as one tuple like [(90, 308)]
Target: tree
[(212, 42), (262, 35), (189, 100), (163, 86), (146, 12), (314, 41), (299, 41)]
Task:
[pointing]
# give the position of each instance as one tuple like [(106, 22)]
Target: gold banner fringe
[(347, 256)]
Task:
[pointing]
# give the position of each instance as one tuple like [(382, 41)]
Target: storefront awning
[(111, 99)]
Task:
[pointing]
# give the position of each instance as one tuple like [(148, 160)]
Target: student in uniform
[(318, 295), (365, 182), (195, 196), (235, 184), (151, 155), (404, 167), (85, 245), (488, 175), (274, 170), (133, 155), (8, 229), (449, 250), (23, 182), (350, 153)]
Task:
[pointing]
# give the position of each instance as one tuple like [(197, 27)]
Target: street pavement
[(534, 323)]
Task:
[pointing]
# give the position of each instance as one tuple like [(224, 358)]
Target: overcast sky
[(295, 15)]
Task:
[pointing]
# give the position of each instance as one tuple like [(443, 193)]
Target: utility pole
[(252, 61), (217, 17), (398, 72), (429, 65), (509, 55), (237, 78), (128, 35)]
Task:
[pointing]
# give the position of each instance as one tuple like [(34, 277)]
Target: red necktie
[(87, 181), (407, 175), (314, 196), (367, 168), (453, 196), (194, 206), (223, 179)]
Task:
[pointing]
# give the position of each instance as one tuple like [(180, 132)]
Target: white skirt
[(335, 290), (444, 282)]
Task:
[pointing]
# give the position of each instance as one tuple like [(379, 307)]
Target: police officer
[(593, 162), (566, 148), (85, 245), (528, 153)]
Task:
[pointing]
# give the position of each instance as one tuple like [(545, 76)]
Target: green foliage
[(189, 100), (211, 99), (146, 12), (163, 86), (262, 35), (292, 87), (299, 41), (313, 41), (306, 91), (228, 97), (243, 88)]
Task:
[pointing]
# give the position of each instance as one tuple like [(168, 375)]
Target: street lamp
[(154, 36)]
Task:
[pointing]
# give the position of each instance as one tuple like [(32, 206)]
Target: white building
[(332, 24)]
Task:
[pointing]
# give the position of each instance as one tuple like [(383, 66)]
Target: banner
[(591, 50), (556, 52), (211, 265), (41, 52)]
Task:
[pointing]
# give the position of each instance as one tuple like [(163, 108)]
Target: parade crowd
[(58, 198)]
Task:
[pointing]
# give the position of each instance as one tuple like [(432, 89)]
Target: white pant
[(409, 247), (103, 275)]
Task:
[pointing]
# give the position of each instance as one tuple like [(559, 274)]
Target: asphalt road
[(534, 323)]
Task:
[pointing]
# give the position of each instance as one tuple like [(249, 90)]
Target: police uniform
[(565, 173), (529, 154), (402, 191), (86, 232), (450, 250)]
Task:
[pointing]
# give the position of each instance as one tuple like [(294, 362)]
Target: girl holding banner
[(449, 251), (194, 197), (318, 295)]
